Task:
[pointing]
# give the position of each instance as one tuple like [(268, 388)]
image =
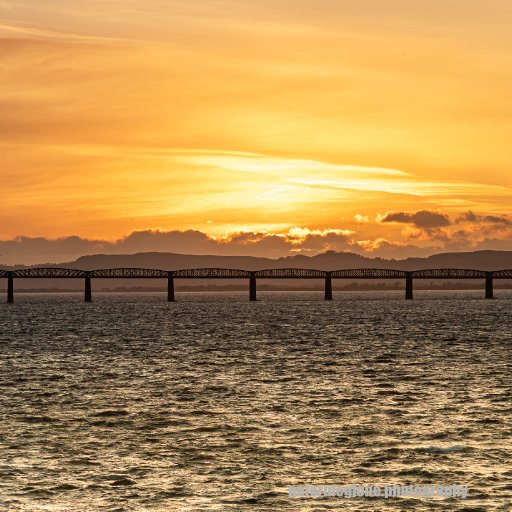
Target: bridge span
[(252, 276)]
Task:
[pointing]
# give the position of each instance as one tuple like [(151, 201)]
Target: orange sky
[(276, 117)]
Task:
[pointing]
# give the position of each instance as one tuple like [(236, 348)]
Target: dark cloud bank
[(30, 251), (437, 231)]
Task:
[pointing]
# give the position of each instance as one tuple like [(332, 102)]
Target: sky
[(271, 128)]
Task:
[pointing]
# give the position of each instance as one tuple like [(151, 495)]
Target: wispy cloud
[(410, 187), (314, 173), (43, 33), (285, 167), (7, 5)]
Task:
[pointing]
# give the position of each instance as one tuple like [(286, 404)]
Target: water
[(214, 403)]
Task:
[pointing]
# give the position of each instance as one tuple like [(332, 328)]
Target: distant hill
[(482, 260)]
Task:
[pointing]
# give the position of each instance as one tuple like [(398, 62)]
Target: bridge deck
[(275, 273)]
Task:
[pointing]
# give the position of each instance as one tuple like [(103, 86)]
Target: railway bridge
[(252, 276)]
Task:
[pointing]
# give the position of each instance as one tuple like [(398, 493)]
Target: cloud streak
[(45, 34)]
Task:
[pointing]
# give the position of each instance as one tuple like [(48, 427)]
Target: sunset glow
[(293, 126)]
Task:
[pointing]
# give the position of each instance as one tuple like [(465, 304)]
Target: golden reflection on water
[(214, 403)]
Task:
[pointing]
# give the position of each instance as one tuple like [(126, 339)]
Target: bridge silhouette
[(251, 276)]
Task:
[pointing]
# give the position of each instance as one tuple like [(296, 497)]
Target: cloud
[(396, 250), (298, 240), (34, 32), (168, 241), (35, 250), (318, 175), (422, 219), (488, 219), (31, 250), (316, 243)]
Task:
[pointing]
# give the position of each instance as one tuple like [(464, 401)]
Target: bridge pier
[(252, 287), (408, 286), (328, 287), (170, 287), (10, 287), (489, 286), (88, 288)]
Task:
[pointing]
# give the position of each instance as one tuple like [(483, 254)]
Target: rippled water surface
[(217, 404)]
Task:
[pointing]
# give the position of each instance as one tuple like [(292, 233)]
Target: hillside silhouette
[(482, 260)]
